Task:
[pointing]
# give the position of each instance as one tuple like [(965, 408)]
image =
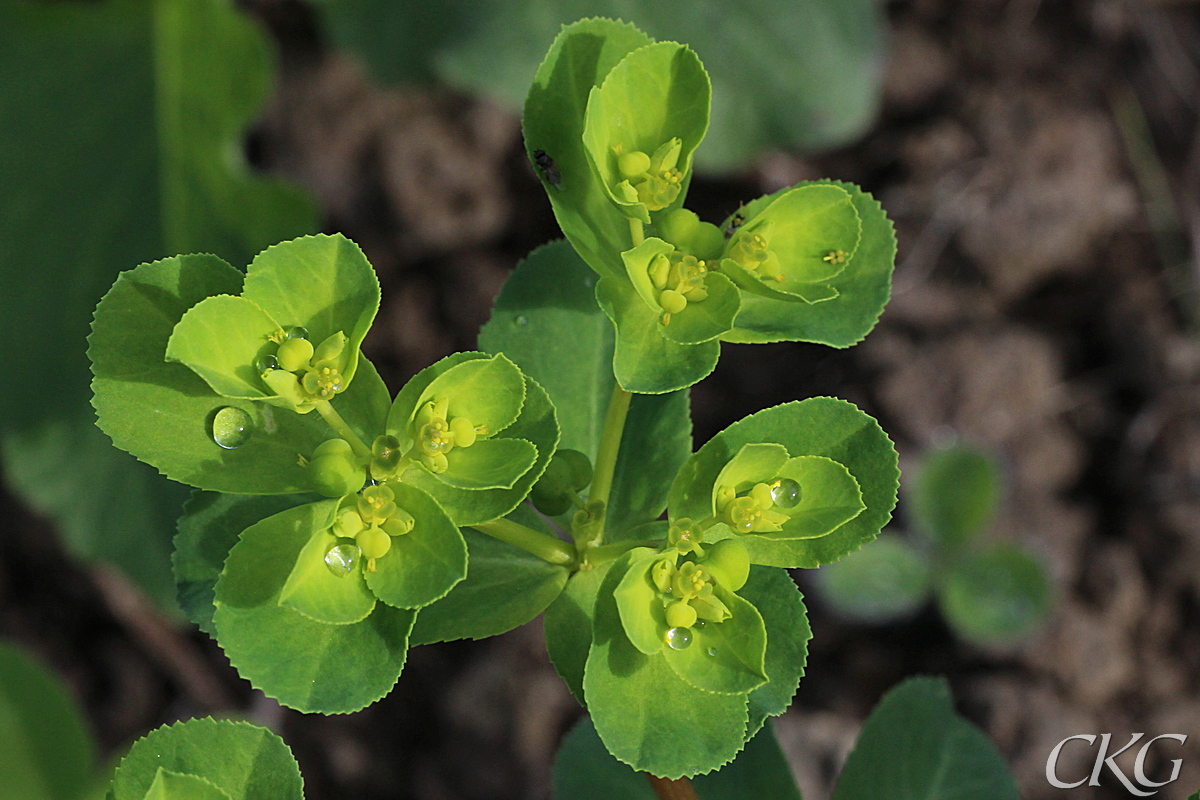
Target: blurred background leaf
[(995, 597), (801, 74), (122, 146), (887, 580), (955, 495)]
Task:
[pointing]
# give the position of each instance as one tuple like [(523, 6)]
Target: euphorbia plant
[(533, 475)]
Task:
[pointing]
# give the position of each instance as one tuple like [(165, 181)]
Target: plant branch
[(541, 545), (680, 789), (610, 444), (342, 429), (636, 231)]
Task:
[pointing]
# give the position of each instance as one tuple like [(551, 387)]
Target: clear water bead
[(522, 320), (712, 652), (785, 493), (679, 638), (297, 332), (231, 427), (341, 559), (266, 362)]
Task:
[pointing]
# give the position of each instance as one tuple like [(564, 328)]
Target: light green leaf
[(888, 579), (754, 463), (546, 317), (317, 593), (580, 57), (242, 760), (46, 751), (645, 361), (536, 424), (162, 412), (914, 747), (725, 657), (996, 597), (830, 498), (305, 664), (774, 594), (955, 495), (646, 715), (487, 391), (584, 770), (489, 464), (424, 564), (568, 625), (863, 287), (704, 321), (208, 530), (642, 614), (177, 786), (220, 338), (505, 587), (656, 94), (819, 426)]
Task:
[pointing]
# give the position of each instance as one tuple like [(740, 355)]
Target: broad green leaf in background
[(800, 74), (996, 596), (46, 750), (647, 716), (208, 530), (915, 747), (126, 152), (544, 319), (505, 587), (820, 426), (243, 761), (955, 495), (863, 287), (584, 770), (305, 664), (888, 579), (129, 339)]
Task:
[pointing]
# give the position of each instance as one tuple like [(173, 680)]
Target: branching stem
[(610, 444), (636, 231), (541, 545), (339, 425)]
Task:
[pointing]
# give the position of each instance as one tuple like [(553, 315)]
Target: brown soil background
[(1041, 161)]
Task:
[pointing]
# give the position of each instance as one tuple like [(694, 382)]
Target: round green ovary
[(231, 427), (294, 354), (333, 474)]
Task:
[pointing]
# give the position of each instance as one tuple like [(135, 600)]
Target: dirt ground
[(1041, 161)]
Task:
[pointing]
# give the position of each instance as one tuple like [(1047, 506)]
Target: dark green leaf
[(955, 495), (568, 626), (177, 786), (886, 580), (915, 747), (774, 594), (995, 597)]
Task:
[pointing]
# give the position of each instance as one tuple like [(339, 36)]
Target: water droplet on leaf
[(266, 362), (679, 638), (712, 652), (231, 427), (785, 492), (297, 332), (522, 320), (341, 559)]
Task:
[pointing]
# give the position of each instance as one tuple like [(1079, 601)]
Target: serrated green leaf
[(955, 495), (505, 587), (655, 94), (568, 625), (177, 786), (546, 317), (725, 657), (580, 57), (161, 412), (888, 579), (46, 751), (774, 594), (646, 715), (208, 530), (863, 287), (317, 593), (995, 597), (219, 339), (242, 760), (645, 361), (489, 464), (819, 426), (584, 770), (487, 391), (915, 747), (424, 564), (305, 664)]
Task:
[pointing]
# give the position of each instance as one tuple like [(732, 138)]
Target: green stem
[(636, 231), (544, 547), (330, 415), (611, 552), (610, 444)]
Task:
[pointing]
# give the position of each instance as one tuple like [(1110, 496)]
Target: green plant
[(991, 593), (335, 524)]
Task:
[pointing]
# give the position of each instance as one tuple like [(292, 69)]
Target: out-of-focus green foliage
[(121, 145), (785, 73)]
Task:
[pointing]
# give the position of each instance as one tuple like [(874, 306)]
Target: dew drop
[(589, 282), (341, 559), (785, 492), (712, 652), (679, 638), (522, 320), (699, 624), (231, 427), (297, 332), (266, 362)]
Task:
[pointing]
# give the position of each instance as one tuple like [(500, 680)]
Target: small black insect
[(545, 165), (739, 219)]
